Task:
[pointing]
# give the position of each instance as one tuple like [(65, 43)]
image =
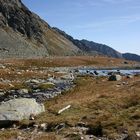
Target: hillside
[(91, 47), (24, 34), (130, 56)]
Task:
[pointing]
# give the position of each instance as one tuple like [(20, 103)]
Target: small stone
[(130, 76), (20, 138), (43, 126), (49, 75), (1, 93), (32, 117), (2, 129), (19, 73), (2, 67), (35, 126), (117, 86), (81, 124), (137, 134), (14, 126), (68, 77), (23, 91), (11, 85), (34, 81), (60, 126)]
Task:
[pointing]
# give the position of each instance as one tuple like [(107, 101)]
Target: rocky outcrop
[(19, 18), (24, 34)]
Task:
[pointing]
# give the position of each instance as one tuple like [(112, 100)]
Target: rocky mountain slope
[(130, 56), (24, 34), (92, 48)]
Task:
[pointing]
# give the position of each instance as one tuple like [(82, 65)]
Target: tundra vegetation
[(98, 107)]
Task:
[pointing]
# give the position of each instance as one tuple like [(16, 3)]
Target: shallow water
[(105, 72)]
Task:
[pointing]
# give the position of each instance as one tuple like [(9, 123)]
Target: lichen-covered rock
[(19, 109)]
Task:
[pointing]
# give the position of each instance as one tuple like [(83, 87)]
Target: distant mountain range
[(24, 34), (92, 48), (130, 56)]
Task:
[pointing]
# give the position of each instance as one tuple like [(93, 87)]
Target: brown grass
[(98, 100), (93, 100), (66, 61)]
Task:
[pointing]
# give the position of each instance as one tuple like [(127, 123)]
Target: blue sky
[(111, 22)]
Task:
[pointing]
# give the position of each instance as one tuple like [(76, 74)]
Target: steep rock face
[(19, 18), (90, 47), (24, 34)]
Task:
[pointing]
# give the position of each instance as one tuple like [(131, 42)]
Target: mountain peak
[(27, 35)]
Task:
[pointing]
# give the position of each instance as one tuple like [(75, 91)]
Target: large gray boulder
[(19, 109)]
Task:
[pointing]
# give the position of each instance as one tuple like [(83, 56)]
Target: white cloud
[(110, 21)]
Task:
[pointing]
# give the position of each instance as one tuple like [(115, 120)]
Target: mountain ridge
[(27, 35), (131, 56), (98, 48), (23, 34), (91, 47)]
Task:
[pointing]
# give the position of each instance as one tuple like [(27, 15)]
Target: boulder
[(23, 91), (1, 93), (96, 73), (130, 76), (115, 78), (19, 109)]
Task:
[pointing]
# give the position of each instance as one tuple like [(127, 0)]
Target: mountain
[(130, 56), (90, 47), (101, 48), (24, 34)]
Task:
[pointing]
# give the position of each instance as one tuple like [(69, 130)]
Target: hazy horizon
[(110, 22)]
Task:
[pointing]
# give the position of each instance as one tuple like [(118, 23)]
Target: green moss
[(45, 86)]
